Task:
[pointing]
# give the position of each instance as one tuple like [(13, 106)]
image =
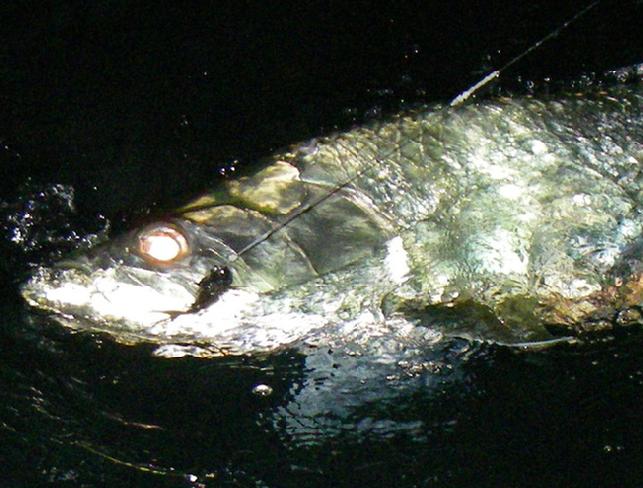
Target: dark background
[(144, 102), (133, 107)]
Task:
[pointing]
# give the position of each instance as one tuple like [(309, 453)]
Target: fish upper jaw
[(104, 296)]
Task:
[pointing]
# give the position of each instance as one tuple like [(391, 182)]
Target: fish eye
[(162, 244)]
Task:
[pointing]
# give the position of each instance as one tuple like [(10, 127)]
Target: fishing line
[(465, 95), (307, 206), (457, 101)]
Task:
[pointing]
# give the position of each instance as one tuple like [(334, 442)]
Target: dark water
[(111, 111)]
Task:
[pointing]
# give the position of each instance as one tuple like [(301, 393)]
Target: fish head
[(158, 282)]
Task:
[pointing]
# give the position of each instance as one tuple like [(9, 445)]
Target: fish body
[(510, 219)]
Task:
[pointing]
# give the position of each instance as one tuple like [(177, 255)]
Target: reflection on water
[(82, 409)]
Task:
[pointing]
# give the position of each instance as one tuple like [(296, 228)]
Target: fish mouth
[(81, 303), (64, 295), (113, 298)]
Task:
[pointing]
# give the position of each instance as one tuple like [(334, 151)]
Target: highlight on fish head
[(171, 280)]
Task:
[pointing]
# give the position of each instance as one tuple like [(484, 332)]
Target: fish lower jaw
[(48, 309)]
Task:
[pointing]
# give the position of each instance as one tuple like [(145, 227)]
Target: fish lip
[(30, 286), (33, 290)]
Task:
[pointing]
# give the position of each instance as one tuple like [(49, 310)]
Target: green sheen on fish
[(515, 220)]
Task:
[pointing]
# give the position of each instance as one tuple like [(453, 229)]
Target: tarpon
[(513, 219)]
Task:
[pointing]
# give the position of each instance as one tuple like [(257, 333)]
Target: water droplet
[(262, 390)]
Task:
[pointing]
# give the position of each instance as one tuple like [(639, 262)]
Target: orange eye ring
[(162, 244)]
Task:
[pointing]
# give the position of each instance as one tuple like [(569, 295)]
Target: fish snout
[(42, 288)]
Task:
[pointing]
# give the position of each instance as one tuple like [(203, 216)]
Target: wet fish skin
[(522, 214)]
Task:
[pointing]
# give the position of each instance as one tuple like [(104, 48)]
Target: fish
[(514, 219)]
